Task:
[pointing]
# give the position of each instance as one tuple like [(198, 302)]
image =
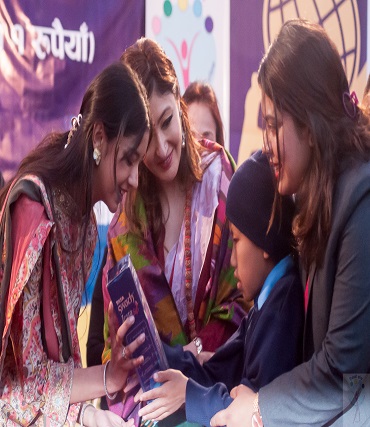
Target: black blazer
[(336, 338)]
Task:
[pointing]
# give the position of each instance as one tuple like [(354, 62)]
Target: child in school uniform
[(269, 339)]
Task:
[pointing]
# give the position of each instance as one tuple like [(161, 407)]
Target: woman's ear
[(266, 255), (306, 135), (98, 135)]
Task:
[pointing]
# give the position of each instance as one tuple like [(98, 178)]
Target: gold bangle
[(256, 416), (109, 396), (256, 407), (82, 413)]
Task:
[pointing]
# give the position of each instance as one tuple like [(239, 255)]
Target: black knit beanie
[(249, 205)]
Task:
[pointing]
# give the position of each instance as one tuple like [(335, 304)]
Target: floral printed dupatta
[(218, 306)]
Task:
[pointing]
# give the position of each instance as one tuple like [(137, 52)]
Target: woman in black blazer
[(318, 141)]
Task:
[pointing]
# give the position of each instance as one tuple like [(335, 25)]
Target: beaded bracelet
[(82, 413), (256, 416), (109, 396)]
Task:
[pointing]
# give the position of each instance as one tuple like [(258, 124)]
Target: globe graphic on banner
[(339, 18)]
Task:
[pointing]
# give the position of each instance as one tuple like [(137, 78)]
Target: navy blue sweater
[(267, 344)]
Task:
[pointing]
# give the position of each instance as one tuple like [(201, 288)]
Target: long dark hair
[(204, 93), (115, 98), (303, 75), (156, 72)]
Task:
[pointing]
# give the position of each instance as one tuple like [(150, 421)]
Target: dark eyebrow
[(163, 113), (269, 117), (131, 152)]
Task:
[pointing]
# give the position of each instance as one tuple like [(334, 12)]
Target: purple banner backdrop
[(254, 23), (49, 52)]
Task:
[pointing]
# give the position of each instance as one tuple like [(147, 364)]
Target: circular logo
[(339, 19)]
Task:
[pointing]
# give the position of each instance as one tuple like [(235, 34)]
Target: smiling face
[(164, 153), (252, 265), (281, 134), (122, 168), (202, 123)]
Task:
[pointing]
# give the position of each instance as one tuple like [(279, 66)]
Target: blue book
[(129, 300)]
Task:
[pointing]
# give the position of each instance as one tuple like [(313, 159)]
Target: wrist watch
[(198, 344)]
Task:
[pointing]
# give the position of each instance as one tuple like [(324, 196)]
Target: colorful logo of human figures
[(185, 32)]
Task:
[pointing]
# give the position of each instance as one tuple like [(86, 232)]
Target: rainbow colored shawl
[(218, 306)]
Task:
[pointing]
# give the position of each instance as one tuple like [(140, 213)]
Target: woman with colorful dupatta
[(47, 238), (174, 226)]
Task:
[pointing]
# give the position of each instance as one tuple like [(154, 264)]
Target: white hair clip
[(75, 123)]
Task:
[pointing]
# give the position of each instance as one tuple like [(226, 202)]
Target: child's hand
[(167, 398)]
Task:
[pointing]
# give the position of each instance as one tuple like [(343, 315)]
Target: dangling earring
[(183, 133), (97, 156)]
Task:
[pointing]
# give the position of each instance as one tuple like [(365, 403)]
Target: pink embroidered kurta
[(48, 253)]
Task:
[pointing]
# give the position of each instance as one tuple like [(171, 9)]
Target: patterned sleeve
[(32, 385)]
